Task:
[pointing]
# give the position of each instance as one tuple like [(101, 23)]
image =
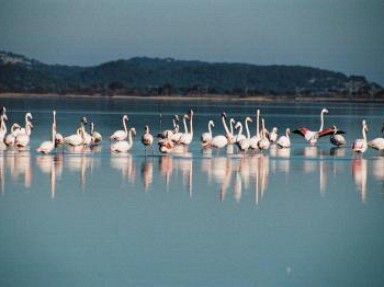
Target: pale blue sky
[(344, 35)]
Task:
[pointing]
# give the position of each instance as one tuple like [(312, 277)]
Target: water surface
[(306, 216)]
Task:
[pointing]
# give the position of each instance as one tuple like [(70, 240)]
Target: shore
[(267, 99)]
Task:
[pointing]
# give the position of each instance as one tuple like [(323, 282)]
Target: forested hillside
[(153, 76)]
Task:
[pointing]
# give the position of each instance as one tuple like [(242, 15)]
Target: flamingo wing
[(301, 131), (326, 132)]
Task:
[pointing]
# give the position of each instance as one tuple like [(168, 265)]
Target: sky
[(340, 35)]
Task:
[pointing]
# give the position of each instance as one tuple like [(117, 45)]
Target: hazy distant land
[(169, 79)]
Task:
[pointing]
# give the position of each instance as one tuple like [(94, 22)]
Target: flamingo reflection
[(52, 165), (147, 173), (359, 174), (19, 163), (80, 163), (124, 162)]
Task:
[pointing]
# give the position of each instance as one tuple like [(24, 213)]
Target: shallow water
[(307, 216)]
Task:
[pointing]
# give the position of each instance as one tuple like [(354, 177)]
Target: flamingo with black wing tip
[(312, 136)]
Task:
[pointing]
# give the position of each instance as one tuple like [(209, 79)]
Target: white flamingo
[(3, 125), (59, 139), (48, 146), (240, 136), (11, 137), (360, 145), (312, 136), (273, 135), (164, 134), (218, 141), (253, 142), (206, 137), (124, 145), (146, 138), (284, 141), (120, 135), (76, 139), (264, 142), (187, 137), (337, 139), (23, 137), (96, 137), (377, 143), (243, 143), (166, 144), (229, 134)]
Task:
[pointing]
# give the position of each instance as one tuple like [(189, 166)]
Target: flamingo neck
[(191, 125), (321, 121), (247, 129), (53, 133), (364, 134), (13, 130), (240, 130), (258, 123), (3, 125), (185, 125), (225, 126), (210, 128), (130, 137), (125, 125)]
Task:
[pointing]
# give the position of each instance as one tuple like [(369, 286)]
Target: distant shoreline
[(208, 98)]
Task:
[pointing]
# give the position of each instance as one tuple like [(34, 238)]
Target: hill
[(154, 76)]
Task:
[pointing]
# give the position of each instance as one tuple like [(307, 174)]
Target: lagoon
[(307, 216)]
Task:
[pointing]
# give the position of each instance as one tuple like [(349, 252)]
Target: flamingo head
[(84, 120), (224, 114), (133, 131), (324, 111)]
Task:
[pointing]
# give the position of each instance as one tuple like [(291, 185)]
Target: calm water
[(300, 217)]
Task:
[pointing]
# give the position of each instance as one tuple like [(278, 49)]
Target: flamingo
[(77, 138), (360, 145), (23, 137), (377, 143), (166, 144), (253, 142), (312, 136), (164, 134), (120, 135), (48, 146), (186, 138), (243, 144), (124, 145), (232, 123), (218, 141), (59, 139), (206, 137), (87, 139), (229, 134), (264, 142), (284, 141), (146, 138), (96, 137), (273, 135), (11, 137), (3, 125), (337, 139), (28, 125)]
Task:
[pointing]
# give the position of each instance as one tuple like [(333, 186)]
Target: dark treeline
[(153, 76)]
